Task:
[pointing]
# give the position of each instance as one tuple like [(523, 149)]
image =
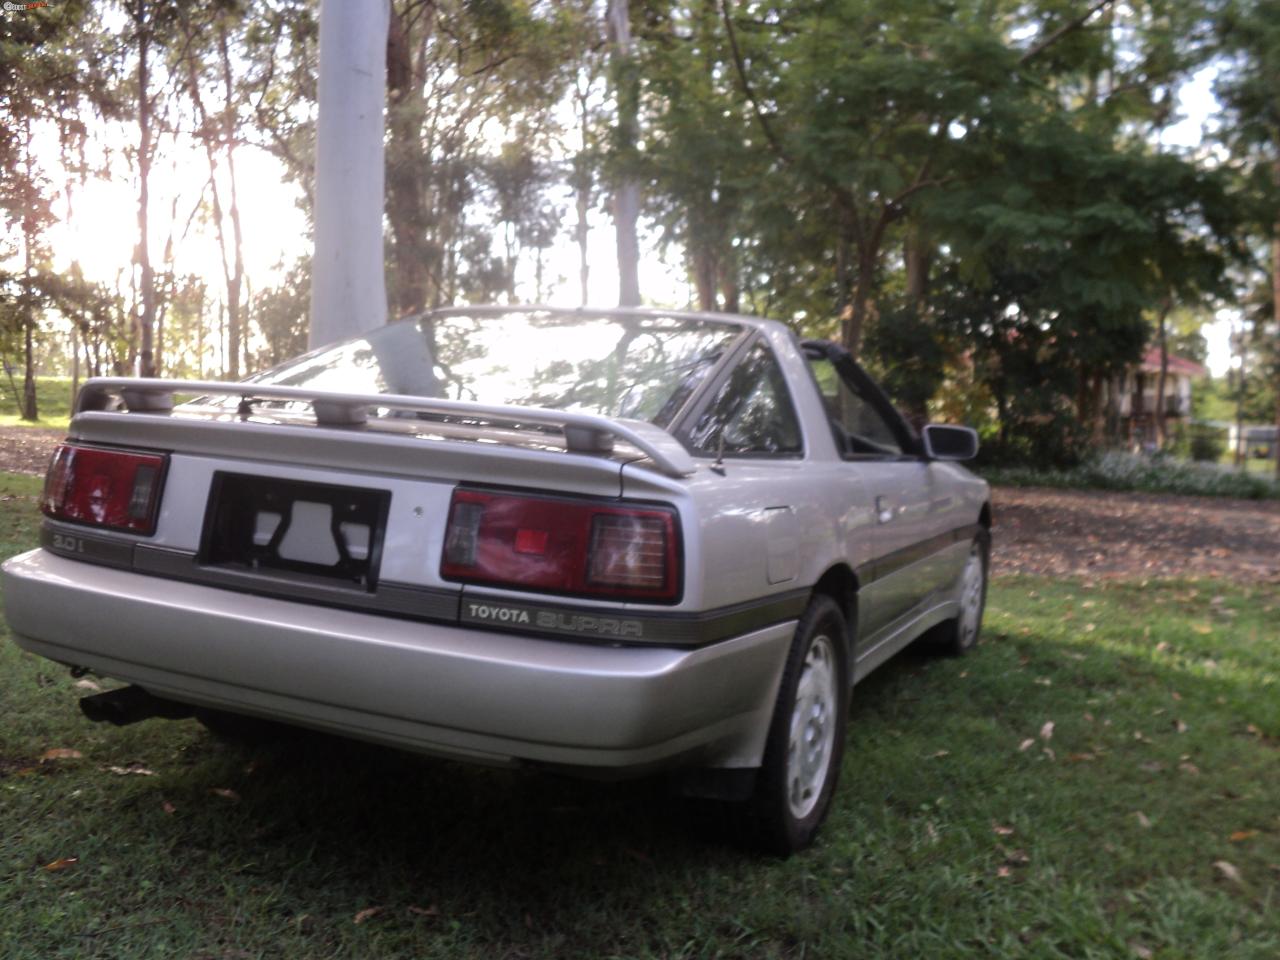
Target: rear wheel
[(806, 736)]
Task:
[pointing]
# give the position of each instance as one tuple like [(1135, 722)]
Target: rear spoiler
[(583, 432)]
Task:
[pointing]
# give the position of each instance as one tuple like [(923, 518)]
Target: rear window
[(643, 368)]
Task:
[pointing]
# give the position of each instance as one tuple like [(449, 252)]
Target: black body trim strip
[(619, 626), (891, 563)]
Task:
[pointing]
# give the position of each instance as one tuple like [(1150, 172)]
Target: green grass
[(53, 402), (947, 839)]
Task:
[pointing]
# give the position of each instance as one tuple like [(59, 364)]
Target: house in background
[(1130, 400)]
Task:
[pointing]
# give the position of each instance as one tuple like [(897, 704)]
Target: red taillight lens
[(563, 546), (118, 489)]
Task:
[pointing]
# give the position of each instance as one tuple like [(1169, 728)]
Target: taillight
[(118, 489), (572, 547)]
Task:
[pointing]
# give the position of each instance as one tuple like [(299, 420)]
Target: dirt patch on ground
[(1052, 532), (27, 449), (1134, 535)]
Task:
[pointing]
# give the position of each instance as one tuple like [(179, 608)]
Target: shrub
[(1208, 444), (1129, 472)]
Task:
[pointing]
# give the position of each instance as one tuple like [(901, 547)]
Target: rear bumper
[(439, 689)]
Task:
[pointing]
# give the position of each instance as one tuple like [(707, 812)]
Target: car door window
[(751, 412), (860, 428)]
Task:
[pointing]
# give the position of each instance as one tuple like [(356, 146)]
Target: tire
[(959, 635), (805, 743)]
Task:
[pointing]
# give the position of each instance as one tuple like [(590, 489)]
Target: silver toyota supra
[(608, 542)]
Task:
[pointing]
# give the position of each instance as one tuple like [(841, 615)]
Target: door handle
[(884, 512)]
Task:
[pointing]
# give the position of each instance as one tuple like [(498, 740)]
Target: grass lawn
[(53, 402), (1142, 823)]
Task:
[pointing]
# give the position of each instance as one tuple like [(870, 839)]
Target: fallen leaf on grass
[(60, 753), (1001, 831), (1179, 726), (1240, 836), (1228, 870), (168, 808), (431, 911), (1004, 871), (1202, 628), (1252, 728), (1141, 952), (133, 769), (1026, 745), (368, 914), (1143, 820), (1046, 731), (1016, 858), (87, 684), (1190, 769), (1080, 757), (60, 864), (1151, 766), (226, 794), (940, 754)]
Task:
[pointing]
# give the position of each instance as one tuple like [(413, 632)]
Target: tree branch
[(747, 91), (1071, 26)]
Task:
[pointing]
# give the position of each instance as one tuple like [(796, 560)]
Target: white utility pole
[(348, 284)]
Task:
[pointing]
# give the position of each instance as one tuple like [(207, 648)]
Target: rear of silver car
[(480, 581)]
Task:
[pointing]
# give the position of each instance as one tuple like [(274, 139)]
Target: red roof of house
[(1188, 368)]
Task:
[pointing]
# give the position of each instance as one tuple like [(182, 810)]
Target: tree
[(455, 71), (1249, 39), (206, 62), (44, 82)]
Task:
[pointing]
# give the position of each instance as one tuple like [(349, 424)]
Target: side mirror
[(949, 443)]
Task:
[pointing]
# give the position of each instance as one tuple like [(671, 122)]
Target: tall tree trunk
[(147, 319), (1163, 379), (30, 409), (235, 320), (626, 191), (582, 193), (75, 361), (1241, 386), (729, 290), (917, 255), (857, 309), (704, 277), (1275, 314), (407, 171)]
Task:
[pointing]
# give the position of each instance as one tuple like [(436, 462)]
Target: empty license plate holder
[(295, 528)]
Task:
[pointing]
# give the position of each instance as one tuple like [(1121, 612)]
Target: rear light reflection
[(115, 489), (570, 547)]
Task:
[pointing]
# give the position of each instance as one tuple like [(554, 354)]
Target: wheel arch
[(840, 583)]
